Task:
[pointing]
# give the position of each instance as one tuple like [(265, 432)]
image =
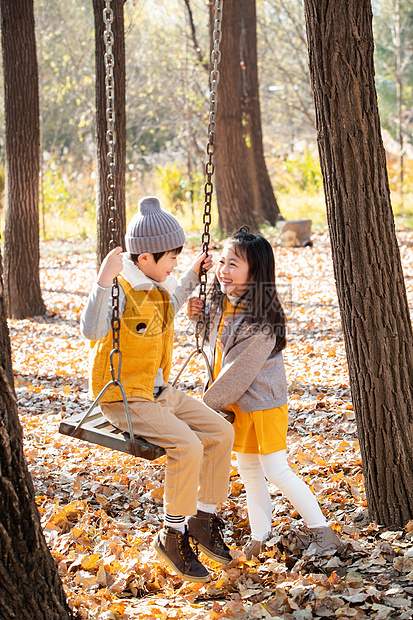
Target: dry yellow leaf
[(90, 562)]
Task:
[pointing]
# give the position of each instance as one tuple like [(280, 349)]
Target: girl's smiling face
[(233, 273)]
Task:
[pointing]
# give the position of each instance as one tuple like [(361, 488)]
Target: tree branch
[(195, 43)]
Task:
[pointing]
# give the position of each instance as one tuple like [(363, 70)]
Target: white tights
[(254, 469)]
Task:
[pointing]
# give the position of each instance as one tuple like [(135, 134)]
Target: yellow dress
[(256, 432)]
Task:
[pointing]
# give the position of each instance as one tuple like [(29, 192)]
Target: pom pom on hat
[(152, 229)]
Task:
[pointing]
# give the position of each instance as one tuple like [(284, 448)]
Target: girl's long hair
[(261, 304)]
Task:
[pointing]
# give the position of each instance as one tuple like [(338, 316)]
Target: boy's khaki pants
[(197, 440)]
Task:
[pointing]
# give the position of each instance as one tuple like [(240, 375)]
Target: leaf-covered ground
[(101, 509)]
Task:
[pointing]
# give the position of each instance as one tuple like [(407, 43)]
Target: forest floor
[(100, 509)]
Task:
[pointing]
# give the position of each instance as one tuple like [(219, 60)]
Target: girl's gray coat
[(252, 374)]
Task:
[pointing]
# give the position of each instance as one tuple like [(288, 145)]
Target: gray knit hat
[(152, 229)]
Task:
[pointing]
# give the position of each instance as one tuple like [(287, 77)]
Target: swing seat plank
[(98, 430)]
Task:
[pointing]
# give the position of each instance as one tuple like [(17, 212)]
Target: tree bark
[(103, 211), (244, 192), (21, 101), (233, 188), (265, 202), (30, 588), (370, 285), (5, 349)]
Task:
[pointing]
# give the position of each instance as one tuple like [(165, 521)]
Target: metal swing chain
[(111, 178), (210, 166), (113, 223)]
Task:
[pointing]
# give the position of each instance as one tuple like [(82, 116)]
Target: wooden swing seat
[(97, 429)]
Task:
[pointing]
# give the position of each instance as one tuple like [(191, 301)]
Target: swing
[(92, 426)]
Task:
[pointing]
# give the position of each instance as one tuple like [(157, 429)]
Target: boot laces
[(217, 526), (317, 536), (251, 544), (186, 550)]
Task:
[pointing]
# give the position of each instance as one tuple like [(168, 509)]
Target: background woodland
[(76, 522), (167, 108)]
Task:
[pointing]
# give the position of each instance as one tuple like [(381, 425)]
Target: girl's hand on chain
[(196, 265), (194, 307)]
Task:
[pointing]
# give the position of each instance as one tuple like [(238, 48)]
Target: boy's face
[(160, 270)]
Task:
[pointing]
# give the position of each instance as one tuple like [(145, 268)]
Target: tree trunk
[(5, 349), (265, 202), (103, 211), (21, 102), (367, 266), (30, 588), (233, 188)]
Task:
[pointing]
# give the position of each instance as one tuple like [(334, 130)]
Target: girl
[(246, 333)]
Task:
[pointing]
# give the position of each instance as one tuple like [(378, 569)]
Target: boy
[(197, 440)]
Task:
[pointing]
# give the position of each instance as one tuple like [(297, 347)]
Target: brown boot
[(174, 547), (254, 547), (206, 529), (324, 541)]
